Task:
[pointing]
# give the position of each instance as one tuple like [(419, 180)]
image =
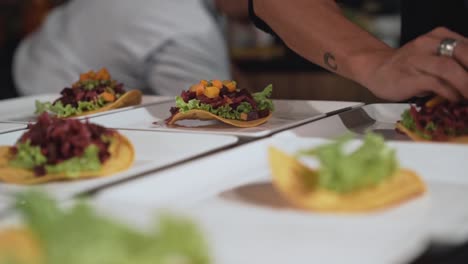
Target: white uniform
[(158, 46)]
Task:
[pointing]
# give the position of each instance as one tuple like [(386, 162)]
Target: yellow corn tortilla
[(121, 158), (132, 97), (416, 137), (19, 246), (290, 176), (205, 115)]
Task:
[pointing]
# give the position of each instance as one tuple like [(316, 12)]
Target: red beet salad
[(224, 99), (53, 145)]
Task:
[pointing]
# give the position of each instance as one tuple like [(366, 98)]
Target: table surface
[(434, 254)]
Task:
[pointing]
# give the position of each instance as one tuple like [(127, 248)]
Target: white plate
[(191, 182), (379, 118), (239, 234), (8, 127), (242, 234), (288, 113), (153, 151), (196, 181), (255, 234), (445, 177), (21, 110)]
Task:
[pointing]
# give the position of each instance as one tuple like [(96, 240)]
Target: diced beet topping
[(448, 119), (232, 98), (119, 88), (63, 139), (187, 95), (90, 87)]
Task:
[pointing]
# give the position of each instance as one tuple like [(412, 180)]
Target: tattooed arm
[(318, 31)]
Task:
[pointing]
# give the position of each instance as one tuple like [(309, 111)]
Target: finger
[(447, 70), (442, 32), (428, 83), (461, 50), (461, 54)]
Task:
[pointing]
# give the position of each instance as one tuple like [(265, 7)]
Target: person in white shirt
[(158, 46)]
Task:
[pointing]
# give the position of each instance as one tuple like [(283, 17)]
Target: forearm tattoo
[(330, 61)]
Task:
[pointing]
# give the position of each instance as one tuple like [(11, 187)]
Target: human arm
[(318, 31)]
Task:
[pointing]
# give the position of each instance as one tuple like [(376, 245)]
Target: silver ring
[(447, 47)]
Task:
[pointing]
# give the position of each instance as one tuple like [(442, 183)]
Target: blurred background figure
[(84, 37), (158, 46)]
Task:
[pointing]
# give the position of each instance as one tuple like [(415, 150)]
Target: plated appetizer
[(436, 120), (51, 235), (366, 179), (64, 149), (94, 92), (223, 101)]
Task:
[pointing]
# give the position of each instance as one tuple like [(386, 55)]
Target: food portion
[(64, 149), (223, 101), (51, 235), (436, 120), (366, 179), (93, 92)]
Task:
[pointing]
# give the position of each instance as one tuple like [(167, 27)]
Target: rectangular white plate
[(442, 166), (379, 118), (240, 234), (244, 234), (288, 113), (8, 127), (154, 150), (256, 234), (21, 110)]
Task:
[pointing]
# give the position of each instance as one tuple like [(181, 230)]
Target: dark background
[(17, 19), (287, 70)]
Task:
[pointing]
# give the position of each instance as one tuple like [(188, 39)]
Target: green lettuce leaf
[(68, 110), (42, 107), (227, 111), (408, 122), (89, 161), (431, 126), (224, 111), (343, 172), (263, 98), (79, 235), (29, 157)]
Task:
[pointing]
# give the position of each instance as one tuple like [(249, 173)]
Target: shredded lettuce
[(89, 161), (79, 235), (227, 111), (29, 157), (68, 110), (224, 111), (343, 172), (244, 107), (431, 126), (263, 98), (408, 122)]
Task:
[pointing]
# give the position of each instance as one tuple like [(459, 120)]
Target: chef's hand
[(416, 69)]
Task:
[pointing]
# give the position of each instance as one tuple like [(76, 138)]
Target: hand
[(417, 69)]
